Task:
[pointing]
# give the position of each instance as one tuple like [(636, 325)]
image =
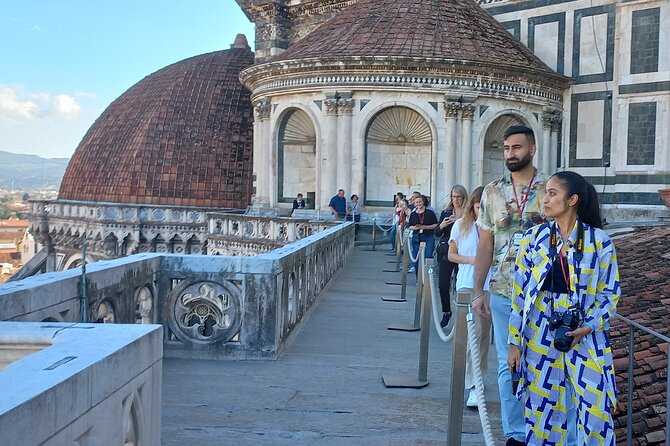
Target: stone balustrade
[(209, 306)]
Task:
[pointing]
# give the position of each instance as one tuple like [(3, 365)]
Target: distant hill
[(30, 172)]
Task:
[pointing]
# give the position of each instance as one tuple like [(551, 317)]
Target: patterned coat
[(599, 287)]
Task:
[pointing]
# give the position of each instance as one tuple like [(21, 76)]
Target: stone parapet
[(88, 384), (210, 306)]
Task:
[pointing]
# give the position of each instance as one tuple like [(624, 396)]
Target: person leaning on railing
[(566, 288)]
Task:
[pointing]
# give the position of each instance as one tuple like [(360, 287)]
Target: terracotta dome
[(451, 39), (455, 30), (182, 136)]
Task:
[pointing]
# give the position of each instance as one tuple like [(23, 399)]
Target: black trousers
[(448, 271)]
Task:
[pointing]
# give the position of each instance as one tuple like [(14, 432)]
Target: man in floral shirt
[(509, 207)]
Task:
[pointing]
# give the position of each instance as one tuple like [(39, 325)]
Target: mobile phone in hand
[(515, 380)]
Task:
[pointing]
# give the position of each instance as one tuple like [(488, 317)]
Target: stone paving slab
[(327, 387)]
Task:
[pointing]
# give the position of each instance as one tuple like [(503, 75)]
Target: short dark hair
[(354, 195), (300, 195), (520, 129)]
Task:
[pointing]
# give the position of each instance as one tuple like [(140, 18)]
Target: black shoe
[(445, 319), (514, 442)]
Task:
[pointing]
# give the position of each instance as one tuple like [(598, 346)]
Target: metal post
[(455, 429), (374, 233), (403, 283), (631, 383), (416, 325), (398, 247), (419, 284), (84, 287), (425, 326), (409, 381)]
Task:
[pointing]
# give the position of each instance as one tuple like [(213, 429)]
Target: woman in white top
[(462, 250)]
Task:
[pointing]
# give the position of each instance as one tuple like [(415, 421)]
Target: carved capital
[(346, 106), (556, 122), (330, 106), (451, 109), (262, 110), (546, 120), (468, 111)]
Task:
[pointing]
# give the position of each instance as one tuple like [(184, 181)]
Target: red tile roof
[(458, 30), (644, 262), (181, 136)]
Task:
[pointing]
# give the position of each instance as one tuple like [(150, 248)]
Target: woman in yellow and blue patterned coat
[(566, 288)]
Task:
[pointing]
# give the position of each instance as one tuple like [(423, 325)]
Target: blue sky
[(62, 62)]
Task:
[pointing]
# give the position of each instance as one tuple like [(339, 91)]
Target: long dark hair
[(588, 207)]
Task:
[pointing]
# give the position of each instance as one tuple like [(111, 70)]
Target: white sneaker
[(472, 399)]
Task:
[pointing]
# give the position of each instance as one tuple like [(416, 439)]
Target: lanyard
[(521, 205), (421, 217), (578, 255)]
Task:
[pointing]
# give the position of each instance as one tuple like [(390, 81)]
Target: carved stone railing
[(231, 234), (209, 306), (113, 230)]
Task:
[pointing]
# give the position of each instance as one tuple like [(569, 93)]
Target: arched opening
[(296, 156), (398, 154), (143, 305), (493, 160), (106, 313)]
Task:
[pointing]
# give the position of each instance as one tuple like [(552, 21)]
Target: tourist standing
[(399, 218), (422, 222), (509, 207), (566, 289), (462, 251), (354, 212), (452, 212), (338, 205)]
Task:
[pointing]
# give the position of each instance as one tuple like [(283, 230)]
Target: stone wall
[(91, 384)]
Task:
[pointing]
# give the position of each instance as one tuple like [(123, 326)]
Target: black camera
[(564, 322)]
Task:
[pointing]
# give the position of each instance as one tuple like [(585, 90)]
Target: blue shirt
[(339, 204)]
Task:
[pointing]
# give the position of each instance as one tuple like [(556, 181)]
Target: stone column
[(261, 171), (545, 155), (466, 144), (345, 108), (556, 122), (328, 162), (451, 169)]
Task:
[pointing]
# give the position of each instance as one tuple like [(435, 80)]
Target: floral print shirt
[(499, 214)]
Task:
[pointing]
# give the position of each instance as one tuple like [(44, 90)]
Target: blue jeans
[(430, 245), (511, 409), (392, 235)]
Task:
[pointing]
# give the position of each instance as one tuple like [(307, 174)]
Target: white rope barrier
[(473, 344)]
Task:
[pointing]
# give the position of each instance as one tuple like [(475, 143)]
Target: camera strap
[(577, 259)]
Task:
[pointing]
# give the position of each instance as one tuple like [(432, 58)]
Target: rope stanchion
[(398, 255), (420, 381), (403, 283), (415, 326)]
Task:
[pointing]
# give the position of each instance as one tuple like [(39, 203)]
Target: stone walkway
[(327, 388)]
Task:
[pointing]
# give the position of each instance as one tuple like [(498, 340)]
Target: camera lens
[(562, 341)]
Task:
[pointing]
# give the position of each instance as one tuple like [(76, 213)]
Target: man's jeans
[(511, 409)]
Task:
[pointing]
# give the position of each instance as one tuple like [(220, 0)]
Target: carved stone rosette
[(205, 312)]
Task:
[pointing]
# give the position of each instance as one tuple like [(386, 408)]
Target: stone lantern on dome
[(391, 96)]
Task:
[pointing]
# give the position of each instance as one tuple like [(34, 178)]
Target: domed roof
[(182, 136), (458, 30)]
